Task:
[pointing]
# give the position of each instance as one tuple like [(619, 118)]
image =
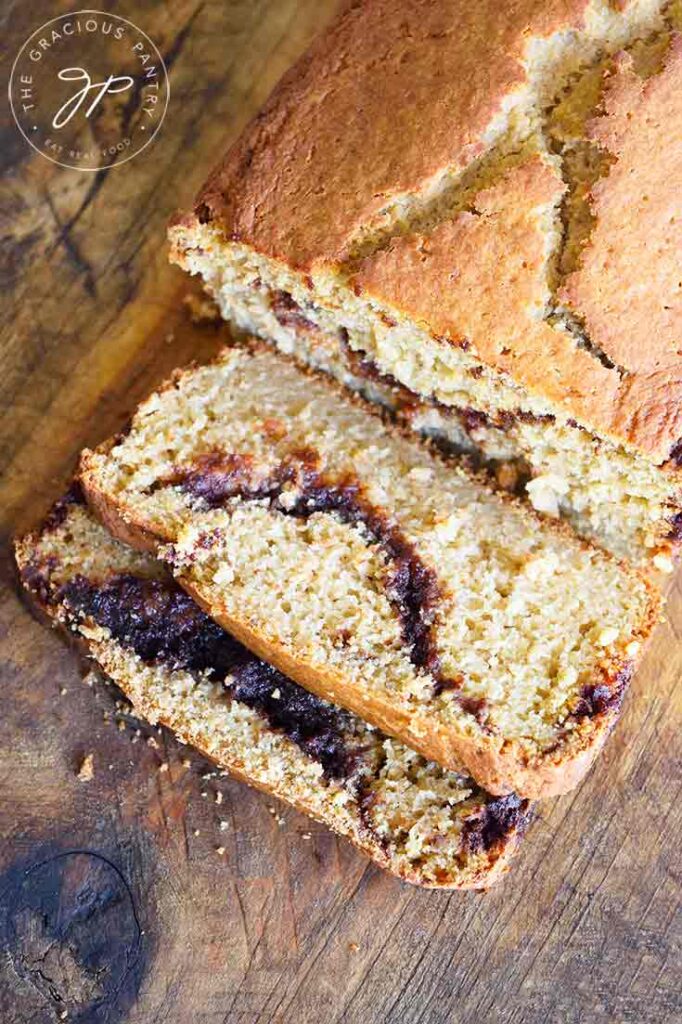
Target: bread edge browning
[(499, 855), (498, 769)]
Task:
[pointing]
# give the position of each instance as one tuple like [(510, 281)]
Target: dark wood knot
[(72, 931)]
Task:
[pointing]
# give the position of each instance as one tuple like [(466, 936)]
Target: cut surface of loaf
[(426, 824), (371, 571), (500, 241)]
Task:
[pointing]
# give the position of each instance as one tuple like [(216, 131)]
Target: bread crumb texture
[(86, 770), (371, 569), (505, 244), (429, 825)]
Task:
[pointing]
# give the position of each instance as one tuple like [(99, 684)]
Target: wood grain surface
[(115, 905)]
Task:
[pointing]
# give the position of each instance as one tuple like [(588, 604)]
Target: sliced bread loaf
[(499, 240), (375, 574), (426, 824)]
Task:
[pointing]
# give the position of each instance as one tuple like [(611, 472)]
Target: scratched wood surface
[(114, 904)]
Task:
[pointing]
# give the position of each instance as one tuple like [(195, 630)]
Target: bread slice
[(426, 824), (376, 574), (499, 241)]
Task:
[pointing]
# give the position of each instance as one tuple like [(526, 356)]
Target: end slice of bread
[(376, 574), (426, 824), (503, 247)]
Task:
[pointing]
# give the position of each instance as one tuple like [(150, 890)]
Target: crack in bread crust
[(624, 493)]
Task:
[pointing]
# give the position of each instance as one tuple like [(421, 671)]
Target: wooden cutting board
[(115, 904)]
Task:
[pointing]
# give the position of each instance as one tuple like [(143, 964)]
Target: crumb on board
[(353, 947), (201, 309), (86, 769), (163, 767), (218, 797)]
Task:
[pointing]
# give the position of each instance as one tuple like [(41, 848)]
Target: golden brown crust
[(372, 112), (346, 127), (627, 288), (480, 278), (111, 516), (487, 267)]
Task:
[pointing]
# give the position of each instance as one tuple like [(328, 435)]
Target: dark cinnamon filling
[(319, 729), (158, 620), (362, 366), (676, 453), (675, 531), (288, 312), (411, 586), (203, 213), (60, 510), (598, 698), (494, 822), (471, 419), (162, 624)]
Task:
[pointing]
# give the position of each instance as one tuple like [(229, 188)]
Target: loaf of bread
[(361, 564), (483, 203), (426, 824)]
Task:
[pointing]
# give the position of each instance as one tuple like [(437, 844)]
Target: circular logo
[(89, 90)]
